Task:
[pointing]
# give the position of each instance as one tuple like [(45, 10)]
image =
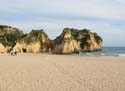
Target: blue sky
[(106, 17)]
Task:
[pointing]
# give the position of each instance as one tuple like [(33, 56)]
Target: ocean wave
[(107, 51), (121, 55), (109, 54), (103, 54)]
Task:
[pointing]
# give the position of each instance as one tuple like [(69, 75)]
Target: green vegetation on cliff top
[(9, 36), (33, 36)]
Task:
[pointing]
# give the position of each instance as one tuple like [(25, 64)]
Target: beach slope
[(45, 72)]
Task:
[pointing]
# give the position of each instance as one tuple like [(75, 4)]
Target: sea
[(107, 51)]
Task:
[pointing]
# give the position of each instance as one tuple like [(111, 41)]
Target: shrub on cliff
[(9, 35)]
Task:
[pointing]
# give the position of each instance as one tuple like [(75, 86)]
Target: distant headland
[(37, 41)]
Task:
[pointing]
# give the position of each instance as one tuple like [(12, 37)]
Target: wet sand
[(46, 72)]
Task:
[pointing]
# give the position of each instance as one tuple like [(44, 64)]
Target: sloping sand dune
[(44, 72)]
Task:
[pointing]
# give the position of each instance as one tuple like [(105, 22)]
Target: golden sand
[(45, 72)]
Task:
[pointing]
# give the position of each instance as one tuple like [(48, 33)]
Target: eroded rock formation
[(37, 41), (73, 40), (65, 43), (34, 47), (8, 37), (88, 40)]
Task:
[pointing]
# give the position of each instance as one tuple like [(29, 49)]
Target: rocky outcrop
[(35, 42), (65, 44), (73, 41), (34, 47), (8, 37), (70, 41), (89, 41)]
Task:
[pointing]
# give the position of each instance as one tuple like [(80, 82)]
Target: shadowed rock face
[(88, 40), (80, 40), (92, 42)]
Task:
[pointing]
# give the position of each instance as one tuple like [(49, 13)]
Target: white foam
[(121, 55), (102, 54)]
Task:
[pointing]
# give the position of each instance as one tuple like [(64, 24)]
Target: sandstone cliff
[(8, 36), (73, 41), (65, 44), (70, 41), (34, 47), (35, 42), (88, 40)]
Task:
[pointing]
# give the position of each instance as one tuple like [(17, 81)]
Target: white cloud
[(105, 17), (105, 9)]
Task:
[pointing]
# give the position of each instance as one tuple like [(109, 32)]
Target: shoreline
[(80, 55)]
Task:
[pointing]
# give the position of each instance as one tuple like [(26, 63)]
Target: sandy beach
[(46, 72)]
